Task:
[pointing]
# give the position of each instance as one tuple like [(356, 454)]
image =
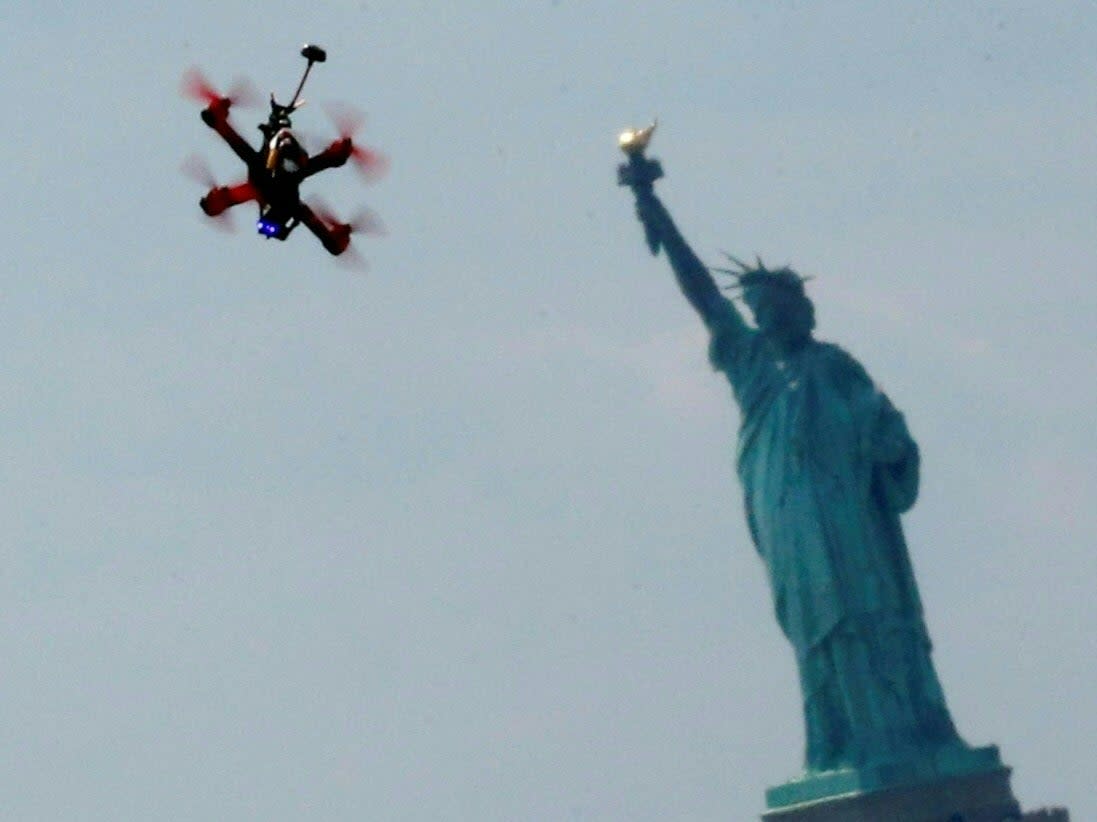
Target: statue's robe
[(827, 465)]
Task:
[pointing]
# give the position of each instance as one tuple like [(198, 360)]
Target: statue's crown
[(748, 276)]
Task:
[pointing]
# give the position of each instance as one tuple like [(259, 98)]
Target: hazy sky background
[(460, 538)]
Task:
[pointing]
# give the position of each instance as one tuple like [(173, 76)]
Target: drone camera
[(314, 54)]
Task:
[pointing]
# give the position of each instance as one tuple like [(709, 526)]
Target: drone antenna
[(314, 54)]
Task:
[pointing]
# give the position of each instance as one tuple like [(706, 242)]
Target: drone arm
[(334, 238), (222, 198), (218, 120), (333, 156)]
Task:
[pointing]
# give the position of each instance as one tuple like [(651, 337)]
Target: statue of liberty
[(827, 465)]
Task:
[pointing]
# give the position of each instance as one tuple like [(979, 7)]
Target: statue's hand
[(893, 456), (886, 439), (888, 449), (647, 210), (653, 214), (653, 217)]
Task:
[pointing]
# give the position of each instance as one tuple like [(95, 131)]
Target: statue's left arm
[(895, 456), (886, 444)]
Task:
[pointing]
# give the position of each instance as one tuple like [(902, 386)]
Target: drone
[(278, 167)]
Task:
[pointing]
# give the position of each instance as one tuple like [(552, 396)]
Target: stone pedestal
[(953, 784), (979, 797)]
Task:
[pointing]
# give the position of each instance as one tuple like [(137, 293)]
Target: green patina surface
[(827, 465), (943, 763)]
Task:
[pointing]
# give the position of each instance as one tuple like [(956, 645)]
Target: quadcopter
[(278, 167)]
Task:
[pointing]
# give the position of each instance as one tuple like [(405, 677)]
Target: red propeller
[(196, 167), (363, 222), (241, 93), (348, 120)]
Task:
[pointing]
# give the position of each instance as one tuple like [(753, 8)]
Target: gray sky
[(460, 538)]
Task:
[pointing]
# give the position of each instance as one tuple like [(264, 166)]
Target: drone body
[(277, 168)]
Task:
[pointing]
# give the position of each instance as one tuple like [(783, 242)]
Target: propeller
[(241, 93), (196, 167), (364, 221), (348, 120)]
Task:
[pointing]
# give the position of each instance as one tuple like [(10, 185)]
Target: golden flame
[(635, 140)]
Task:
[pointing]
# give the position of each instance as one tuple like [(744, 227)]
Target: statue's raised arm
[(694, 278)]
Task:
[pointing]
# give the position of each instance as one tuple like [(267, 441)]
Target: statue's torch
[(639, 173)]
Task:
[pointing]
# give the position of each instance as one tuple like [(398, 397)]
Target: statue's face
[(782, 315)]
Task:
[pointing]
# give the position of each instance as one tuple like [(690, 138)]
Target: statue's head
[(776, 297)]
